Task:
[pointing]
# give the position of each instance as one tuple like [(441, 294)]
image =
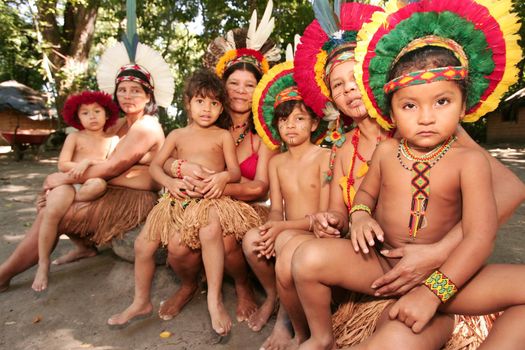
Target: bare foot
[(246, 304), (132, 313), (40, 281), (4, 287), (173, 306), (220, 320), (74, 255), (259, 318), (280, 338)]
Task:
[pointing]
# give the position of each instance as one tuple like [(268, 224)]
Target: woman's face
[(131, 97), (239, 88), (345, 93)]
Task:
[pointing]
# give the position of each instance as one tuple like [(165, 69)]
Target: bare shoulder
[(469, 157), (148, 122), (277, 160), (322, 154), (386, 146)]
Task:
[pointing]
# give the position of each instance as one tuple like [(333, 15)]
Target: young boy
[(196, 223), (92, 112), (298, 189), (418, 188)]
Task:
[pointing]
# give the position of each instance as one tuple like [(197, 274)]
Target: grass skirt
[(116, 212), (355, 320), (188, 216)]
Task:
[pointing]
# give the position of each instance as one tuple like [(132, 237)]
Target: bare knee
[(307, 261), (249, 241), (283, 267), (91, 189)]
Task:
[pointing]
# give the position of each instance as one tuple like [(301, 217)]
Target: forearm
[(275, 215), (304, 224), (158, 174), (64, 167), (246, 191)]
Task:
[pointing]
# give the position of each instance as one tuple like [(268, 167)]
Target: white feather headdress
[(117, 56)]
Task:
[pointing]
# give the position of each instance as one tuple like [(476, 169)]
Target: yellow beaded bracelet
[(441, 286), (360, 207)]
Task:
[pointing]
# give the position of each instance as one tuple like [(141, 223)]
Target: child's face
[(297, 127), (428, 114), (131, 97), (345, 93), (204, 111), (92, 116), (239, 89)]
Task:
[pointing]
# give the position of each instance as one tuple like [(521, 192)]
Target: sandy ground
[(72, 314)]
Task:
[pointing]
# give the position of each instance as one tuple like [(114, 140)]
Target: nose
[(426, 116), (350, 86)]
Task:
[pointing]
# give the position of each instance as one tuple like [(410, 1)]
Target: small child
[(91, 112), (417, 189), (197, 223), (298, 187)]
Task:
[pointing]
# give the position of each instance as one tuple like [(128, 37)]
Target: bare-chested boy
[(92, 112), (417, 189), (298, 189)]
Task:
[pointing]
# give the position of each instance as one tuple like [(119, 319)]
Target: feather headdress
[(333, 30), (252, 45), (269, 93), (131, 60), (482, 34)]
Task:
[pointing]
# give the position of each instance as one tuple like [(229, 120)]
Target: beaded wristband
[(178, 171), (174, 167), (360, 207), (441, 286)]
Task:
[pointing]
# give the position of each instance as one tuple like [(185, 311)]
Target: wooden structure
[(25, 121)]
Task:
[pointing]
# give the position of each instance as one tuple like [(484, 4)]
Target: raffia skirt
[(116, 212), (355, 320), (188, 216)]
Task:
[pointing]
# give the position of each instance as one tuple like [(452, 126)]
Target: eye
[(443, 101), (336, 85), (408, 106)]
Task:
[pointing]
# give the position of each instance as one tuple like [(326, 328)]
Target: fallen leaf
[(165, 334), (37, 318)]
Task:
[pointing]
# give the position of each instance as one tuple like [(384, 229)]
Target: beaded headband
[(135, 73), (289, 94), (426, 76), (481, 33), (335, 60), (231, 57)]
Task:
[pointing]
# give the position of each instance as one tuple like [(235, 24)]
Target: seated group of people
[(419, 254)]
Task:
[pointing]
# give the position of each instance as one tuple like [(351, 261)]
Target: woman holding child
[(137, 87), (417, 261), (240, 67)]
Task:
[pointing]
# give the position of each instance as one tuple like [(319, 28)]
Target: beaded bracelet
[(178, 171), (441, 286), (360, 207), (174, 167)]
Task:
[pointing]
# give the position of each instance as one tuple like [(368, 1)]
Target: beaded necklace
[(351, 180), (243, 125), (240, 138), (420, 179)]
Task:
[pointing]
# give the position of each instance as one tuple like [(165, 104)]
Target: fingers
[(393, 253), (387, 278)]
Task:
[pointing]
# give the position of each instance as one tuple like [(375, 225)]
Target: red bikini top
[(249, 165)]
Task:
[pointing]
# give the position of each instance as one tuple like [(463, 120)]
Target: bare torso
[(301, 181)]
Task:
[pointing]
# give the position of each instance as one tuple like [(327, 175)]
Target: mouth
[(426, 133)]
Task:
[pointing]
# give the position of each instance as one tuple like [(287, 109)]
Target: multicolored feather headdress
[(131, 60), (332, 34), (274, 88), (251, 46), (481, 33)]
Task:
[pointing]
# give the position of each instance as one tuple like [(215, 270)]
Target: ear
[(315, 124), (463, 111)]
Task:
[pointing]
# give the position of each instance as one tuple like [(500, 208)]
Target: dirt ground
[(72, 314)]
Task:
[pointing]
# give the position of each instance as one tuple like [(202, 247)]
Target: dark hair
[(150, 108), (424, 58), (243, 66), (283, 111), (205, 83)]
